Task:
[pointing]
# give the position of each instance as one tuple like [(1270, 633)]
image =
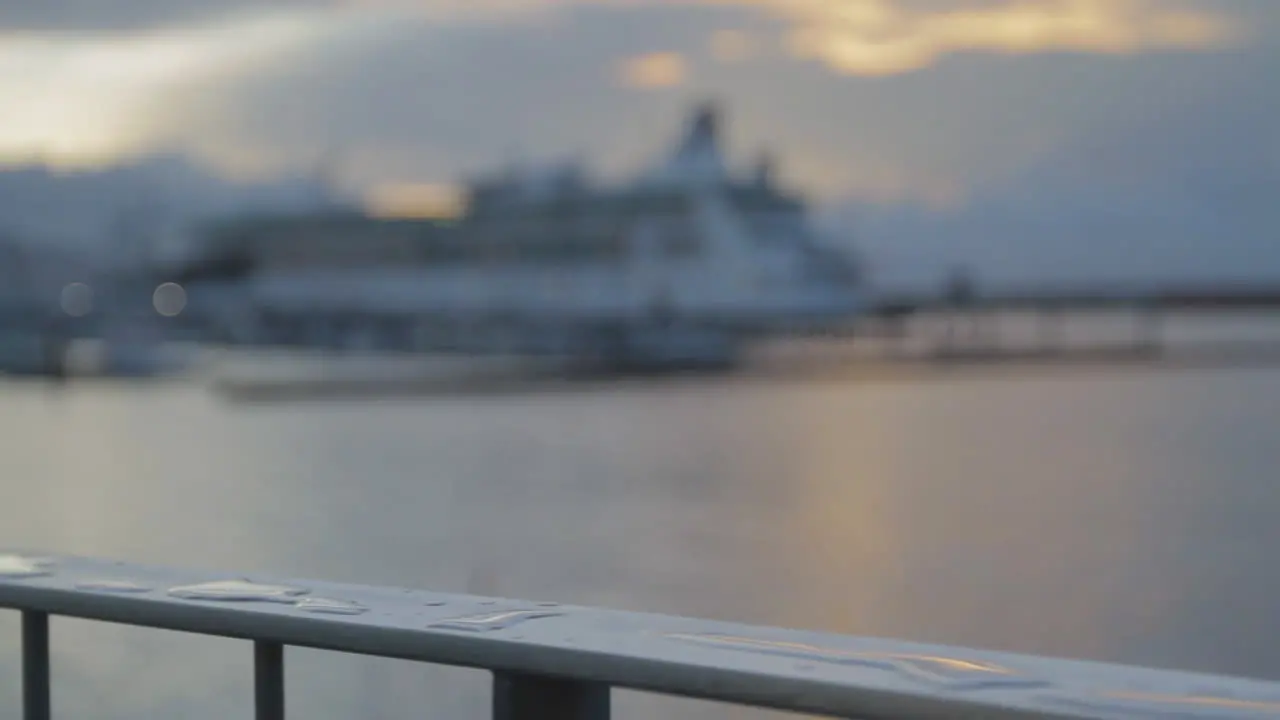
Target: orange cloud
[(886, 37), (655, 70), (730, 46), (415, 200), (883, 37)]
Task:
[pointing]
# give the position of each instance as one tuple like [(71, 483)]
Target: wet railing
[(559, 661)]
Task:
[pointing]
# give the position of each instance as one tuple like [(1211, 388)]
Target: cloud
[(857, 36), (882, 37), (885, 37), (654, 70), (732, 46), (70, 99)]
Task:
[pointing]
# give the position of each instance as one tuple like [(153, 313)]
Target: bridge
[(560, 662)]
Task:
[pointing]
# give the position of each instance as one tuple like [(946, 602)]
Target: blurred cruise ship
[(679, 265)]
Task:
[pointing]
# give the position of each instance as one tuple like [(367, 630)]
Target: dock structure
[(560, 662), (971, 328)]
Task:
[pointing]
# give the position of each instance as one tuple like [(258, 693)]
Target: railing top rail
[(767, 667)]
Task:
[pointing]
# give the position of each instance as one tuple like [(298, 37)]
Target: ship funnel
[(704, 131), (698, 156)]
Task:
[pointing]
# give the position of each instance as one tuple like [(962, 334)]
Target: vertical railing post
[(36, 704), (268, 680), (525, 697)]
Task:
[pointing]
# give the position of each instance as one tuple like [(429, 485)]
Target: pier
[(971, 324), (894, 332), (558, 662)]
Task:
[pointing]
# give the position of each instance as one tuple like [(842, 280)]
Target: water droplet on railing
[(238, 590), (435, 603), (961, 674), (493, 621), (18, 566), (953, 673), (330, 606), (113, 586), (1207, 705)]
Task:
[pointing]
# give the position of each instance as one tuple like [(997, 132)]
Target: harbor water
[(1118, 515)]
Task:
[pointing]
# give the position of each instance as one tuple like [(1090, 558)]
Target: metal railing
[(559, 661)]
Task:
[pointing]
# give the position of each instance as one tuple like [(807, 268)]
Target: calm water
[(1123, 516)]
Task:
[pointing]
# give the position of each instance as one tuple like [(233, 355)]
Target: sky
[(1108, 136)]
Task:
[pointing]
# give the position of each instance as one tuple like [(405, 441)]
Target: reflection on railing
[(557, 661)]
